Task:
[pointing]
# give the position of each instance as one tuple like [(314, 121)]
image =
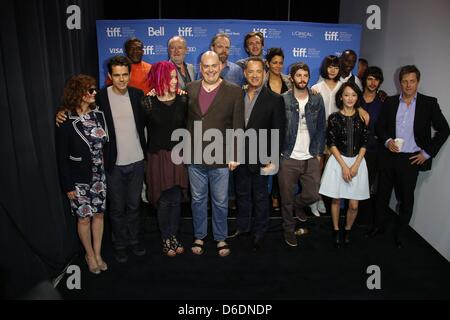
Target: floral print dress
[(91, 198)]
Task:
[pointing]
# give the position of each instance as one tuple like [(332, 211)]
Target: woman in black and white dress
[(345, 174), (79, 143)]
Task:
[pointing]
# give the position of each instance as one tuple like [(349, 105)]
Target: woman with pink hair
[(165, 112)]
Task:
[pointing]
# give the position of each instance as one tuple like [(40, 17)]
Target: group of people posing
[(335, 140)]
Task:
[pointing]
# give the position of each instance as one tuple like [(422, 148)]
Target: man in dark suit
[(124, 156), (215, 104), (264, 109), (404, 127)]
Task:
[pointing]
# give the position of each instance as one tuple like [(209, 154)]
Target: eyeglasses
[(92, 90)]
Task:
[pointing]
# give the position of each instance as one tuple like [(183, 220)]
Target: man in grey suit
[(177, 53)]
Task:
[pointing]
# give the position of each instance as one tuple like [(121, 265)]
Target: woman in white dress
[(345, 174), (327, 86)]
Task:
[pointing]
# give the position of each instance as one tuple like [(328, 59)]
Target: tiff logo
[(149, 50), (331, 36), (152, 32), (299, 52), (113, 32), (262, 30), (185, 32)]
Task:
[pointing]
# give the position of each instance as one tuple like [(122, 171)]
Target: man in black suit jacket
[(124, 156), (264, 109), (408, 117)]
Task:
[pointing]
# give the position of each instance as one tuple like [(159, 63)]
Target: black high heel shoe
[(336, 238), (347, 238)]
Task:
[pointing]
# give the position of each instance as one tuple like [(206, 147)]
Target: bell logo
[(331, 36), (262, 30), (152, 32), (149, 50), (113, 32), (185, 31), (299, 53)]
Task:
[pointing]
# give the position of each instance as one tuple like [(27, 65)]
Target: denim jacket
[(315, 121)]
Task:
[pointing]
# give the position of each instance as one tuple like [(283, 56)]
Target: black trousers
[(396, 173), (252, 196)]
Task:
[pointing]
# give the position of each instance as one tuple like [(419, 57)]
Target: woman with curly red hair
[(79, 143)]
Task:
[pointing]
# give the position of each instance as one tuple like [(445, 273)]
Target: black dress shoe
[(237, 234), (121, 255), (138, 249), (257, 242), (374, 232), (399, 243)]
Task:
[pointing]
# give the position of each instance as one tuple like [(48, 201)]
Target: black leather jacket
[(348, 134)]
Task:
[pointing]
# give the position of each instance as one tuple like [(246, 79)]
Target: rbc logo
[(331, 36), (152, 32), (149, 50), (299, 53), (185, 31), (114, 32), (262, 30)]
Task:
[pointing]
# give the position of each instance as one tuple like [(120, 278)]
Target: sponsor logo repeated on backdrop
[(300, 41)]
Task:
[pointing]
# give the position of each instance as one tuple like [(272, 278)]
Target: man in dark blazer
[(124, 157), (404, 127), (214, 104), (264, 109)]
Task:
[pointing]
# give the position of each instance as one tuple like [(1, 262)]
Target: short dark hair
[(354, 87), (119, 61), (373, 71), (257, 59), (130, 41), (297, 66), (363, 61), (408, 69), (328, 61), (272, 52), (253, 34), (347, 52)]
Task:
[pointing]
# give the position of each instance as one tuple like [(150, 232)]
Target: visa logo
[(115, 50)]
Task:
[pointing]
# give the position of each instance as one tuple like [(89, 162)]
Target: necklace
[(211, 87)]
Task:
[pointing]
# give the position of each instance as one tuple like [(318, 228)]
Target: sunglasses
[(92, 90)]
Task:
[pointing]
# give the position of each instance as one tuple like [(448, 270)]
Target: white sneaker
[(314, 209), (321, 206)]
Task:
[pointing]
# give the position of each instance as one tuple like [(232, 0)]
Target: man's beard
[(298, 86)]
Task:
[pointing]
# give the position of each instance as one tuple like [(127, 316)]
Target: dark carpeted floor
[(313, 270)]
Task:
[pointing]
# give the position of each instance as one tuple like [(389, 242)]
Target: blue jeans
[(217, 179), (124, 193)]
